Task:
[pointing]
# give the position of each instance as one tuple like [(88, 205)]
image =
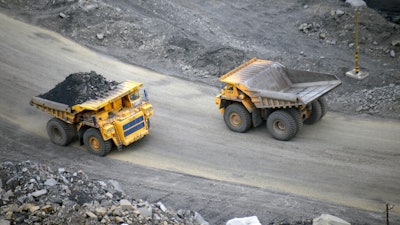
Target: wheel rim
[(94, 143), (279, 126), (235, 119), (56, 133)]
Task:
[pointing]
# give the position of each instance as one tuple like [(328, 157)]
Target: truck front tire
[(237, 118), (60, 132), (282, 125), (94, 142)]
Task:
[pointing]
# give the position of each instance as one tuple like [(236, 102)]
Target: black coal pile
[(32, 193), (80, 87)]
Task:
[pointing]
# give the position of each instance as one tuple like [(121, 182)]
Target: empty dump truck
[(119, 118), (262, 90)]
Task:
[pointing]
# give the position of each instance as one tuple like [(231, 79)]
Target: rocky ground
[(36, 194)]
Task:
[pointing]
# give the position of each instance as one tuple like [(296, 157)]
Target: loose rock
[(86, 203)]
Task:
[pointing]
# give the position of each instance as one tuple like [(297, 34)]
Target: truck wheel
[(324, 106), (316, 112), (281, 125), (94, 142), (60, 132), (237, 118), (296, 114)]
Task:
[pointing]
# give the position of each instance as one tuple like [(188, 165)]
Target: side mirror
[(145, 96)]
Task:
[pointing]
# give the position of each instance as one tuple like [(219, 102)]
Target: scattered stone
[(356, 3), (326, 219), (39, 193), (125, 204), (396, 43), (161, 206), (339, 12), (322, 36), (100, 36), (253, 220), (87, 202), (392, 53), (50, 182), (91, 215), (62, 15)]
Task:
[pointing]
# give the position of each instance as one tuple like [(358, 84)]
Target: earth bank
[(202, 40)]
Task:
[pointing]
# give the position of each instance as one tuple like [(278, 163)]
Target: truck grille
[(133, 126)]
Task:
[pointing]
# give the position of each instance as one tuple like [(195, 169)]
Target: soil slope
[(201, 40)]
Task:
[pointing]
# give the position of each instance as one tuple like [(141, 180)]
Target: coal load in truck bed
[(80, 87)]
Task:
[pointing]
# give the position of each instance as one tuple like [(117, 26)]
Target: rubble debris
[(26, 198), (80, 87)]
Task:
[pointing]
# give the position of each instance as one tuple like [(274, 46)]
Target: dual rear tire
[(62, 133), (281, 124)]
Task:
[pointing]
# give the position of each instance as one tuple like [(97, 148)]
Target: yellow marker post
[(356, 73)]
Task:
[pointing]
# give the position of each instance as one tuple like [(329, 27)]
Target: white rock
[(162, 206), (125, 204), (252, 220), (100, 36), (39, 193), (392, 53), (339, 12), (356, 3), (396, 42), (62, 15), (50, 182), (326, 219), (4, 222)]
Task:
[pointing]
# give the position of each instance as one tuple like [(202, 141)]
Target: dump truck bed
[(67, 113), (270, 84)]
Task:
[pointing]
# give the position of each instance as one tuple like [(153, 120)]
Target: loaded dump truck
[(119, 118), (263, 90)]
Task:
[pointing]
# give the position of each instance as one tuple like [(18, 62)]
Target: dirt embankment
[(201, 41)]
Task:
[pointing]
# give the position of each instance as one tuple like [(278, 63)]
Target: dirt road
[(344, 160)]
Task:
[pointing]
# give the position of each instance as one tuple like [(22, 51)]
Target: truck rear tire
[(60, 132), (94, 142), (324, 106), (295, 112), (237, 118), (281, 125), (316, 113)]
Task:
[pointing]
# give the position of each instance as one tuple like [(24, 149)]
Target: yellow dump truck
[(120, 118), (263, 90)]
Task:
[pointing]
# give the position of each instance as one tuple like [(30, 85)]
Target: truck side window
[(135, 96)]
